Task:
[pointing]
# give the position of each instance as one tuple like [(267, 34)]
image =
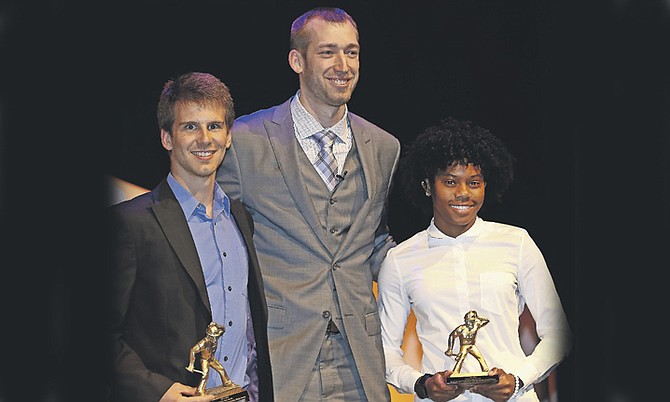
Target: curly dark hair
[(462, 142)]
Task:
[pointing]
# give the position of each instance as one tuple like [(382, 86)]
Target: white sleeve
[(394, 308), (544, 304)]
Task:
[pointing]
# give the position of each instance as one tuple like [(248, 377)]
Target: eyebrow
[(335, 45), (198, 122)]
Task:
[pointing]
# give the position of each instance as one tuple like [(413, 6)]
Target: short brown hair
[(200, 88)]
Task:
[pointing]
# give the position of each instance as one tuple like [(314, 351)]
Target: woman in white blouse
[(462, 263)]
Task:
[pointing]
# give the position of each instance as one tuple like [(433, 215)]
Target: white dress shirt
[(306, 126), (492, 268)]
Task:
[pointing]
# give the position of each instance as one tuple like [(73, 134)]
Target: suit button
[(326, 314), (332, 201), (335, 267), (332, 230)]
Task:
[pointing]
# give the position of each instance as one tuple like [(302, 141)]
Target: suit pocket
[(276, 316), (372, 323)]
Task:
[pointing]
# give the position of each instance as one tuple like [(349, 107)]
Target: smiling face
[(458, 195), (328, 68), (198, 141)]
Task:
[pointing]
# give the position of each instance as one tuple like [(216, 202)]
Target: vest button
[(325, 314), (332, 230), (332, 201)]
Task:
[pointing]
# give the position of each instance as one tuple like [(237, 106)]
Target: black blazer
[(157, 304)]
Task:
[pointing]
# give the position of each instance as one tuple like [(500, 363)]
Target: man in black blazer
[(182, 256)]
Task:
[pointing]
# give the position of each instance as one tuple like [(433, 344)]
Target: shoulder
[(275, 113), (407, 248), (379, 133), (504, 230)]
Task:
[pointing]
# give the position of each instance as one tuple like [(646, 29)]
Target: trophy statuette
[(228, 391), (467, 335)]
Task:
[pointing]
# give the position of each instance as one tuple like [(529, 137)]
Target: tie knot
[(325, 138)]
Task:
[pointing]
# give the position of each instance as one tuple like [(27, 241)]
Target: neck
[(326, 115)]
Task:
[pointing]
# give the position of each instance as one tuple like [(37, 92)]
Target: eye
[(352, 53), (214, 126), (190, 126)]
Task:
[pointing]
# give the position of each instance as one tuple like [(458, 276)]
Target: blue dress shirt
[(224, 262)]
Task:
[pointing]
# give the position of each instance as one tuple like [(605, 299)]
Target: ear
[(295, 61), (229, 140), (425, 183), (166, 140)]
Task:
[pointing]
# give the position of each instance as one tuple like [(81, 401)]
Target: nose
[(462, 192), (204, 135), (341, 62)]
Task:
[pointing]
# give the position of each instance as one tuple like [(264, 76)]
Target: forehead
[(322, 32), (199, 110), (458, 169)]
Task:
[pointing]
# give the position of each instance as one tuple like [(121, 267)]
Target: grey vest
[(336, 208)]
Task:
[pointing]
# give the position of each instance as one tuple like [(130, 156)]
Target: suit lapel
[(281, 135), (171, 219)]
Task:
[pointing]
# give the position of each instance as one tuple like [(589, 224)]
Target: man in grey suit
[(320, 235)]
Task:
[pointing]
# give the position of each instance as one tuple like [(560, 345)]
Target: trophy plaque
[(467, 335), (228, 391)]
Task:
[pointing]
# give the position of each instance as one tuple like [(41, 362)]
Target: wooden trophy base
[(467, 380), (228, 394)]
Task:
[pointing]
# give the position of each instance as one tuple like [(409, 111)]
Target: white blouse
[(492, 268)]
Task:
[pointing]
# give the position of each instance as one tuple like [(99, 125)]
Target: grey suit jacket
[(158, 306), (262, 170)]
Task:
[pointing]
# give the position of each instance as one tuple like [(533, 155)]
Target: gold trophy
[(228, 391), (467, 334)]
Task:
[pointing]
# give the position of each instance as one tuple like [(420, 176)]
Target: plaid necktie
[(325, 161)]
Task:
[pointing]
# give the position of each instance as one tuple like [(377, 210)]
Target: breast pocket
[(498, 291), (276, 316)]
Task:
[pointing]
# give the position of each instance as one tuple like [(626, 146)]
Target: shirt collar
[(436, 237), (190, 205), (306, 125)]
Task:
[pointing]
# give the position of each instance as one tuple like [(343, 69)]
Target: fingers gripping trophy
[(467, 335), (228, 391)]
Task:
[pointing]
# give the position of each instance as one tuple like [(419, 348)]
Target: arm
[(450, 343), (394, 308), (383, 240), (543, 302), (127, 372)]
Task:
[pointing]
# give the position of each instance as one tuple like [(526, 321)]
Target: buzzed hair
[(299, 40)]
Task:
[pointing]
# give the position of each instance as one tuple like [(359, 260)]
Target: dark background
[(577, 89)]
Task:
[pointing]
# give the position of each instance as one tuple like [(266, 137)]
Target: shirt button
[(225, 254), (230, 323), (230, 288), (325, 314), (225, 358)]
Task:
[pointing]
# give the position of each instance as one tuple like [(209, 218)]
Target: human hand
[(438, 389), (179, 392), (499, 392)]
